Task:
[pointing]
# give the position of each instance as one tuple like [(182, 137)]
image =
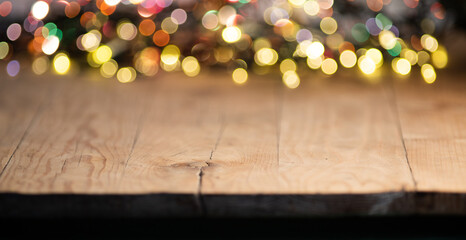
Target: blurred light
[(109, 68), (261, 43), (4, 49), (225, 13), (359, 32), (348, 59), (112, 2), (422, 58), (146, 27), (39, 10), (428, 73), (40, 65), (161, 38), (169, 25), (429, 43), (396, 50), (231, 34), (387, 39), (5, 8), (311, 7), (410, 55), (126, 31), (190, 66), (102, 54), (61, 63), (328, 25), (126, 75), (72, 10), (297, 3), (170, 54), (147, 61), (179, 15), (440, 58), (91, 40), (375, 55), (240, 76), (325, 4), (266, 56), (13, 68), (291, 79), (287, 65), (314, 63), (315, 50), (375, 5), (403, 66), (210, 20), (50, 45), (329, 66), (366, 65), (14, 31), (303, 35)]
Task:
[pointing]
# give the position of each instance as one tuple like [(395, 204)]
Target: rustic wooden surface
[(173, 145)]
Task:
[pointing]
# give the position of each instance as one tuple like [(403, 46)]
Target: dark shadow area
[(407, 227)]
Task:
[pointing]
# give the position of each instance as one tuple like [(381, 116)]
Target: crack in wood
[(200, 174), (394, 107), (40, 109)]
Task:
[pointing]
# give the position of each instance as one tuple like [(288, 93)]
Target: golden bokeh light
[(287, 65), (231, 34), (40, 65), (348, 59), (240, 76), (266, 56), (169, 25), (170, 55), (328, 25), (329, 66), (403, 66), (428, 73), (291, 79), (314, 63), (61, 63), (429, 43), (126, 75), (109, 68), (315, 50), (102, 54), (440, 58), (190, 66), (126, 30), (375, 55), (366, 65)]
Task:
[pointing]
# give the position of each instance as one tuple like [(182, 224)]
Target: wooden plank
[(20, 102), (80, 141), (245, 158), (434, 129), (341, 136), (177, 136)]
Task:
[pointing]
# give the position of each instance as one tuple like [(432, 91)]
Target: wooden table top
[(179, 146)]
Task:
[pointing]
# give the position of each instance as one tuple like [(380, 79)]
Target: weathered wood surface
[(84, 146)]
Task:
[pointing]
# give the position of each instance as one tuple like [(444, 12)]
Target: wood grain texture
[(20, 103), (245, 157), (177, 135), (433, 121), (79, 142), (341, 136)]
